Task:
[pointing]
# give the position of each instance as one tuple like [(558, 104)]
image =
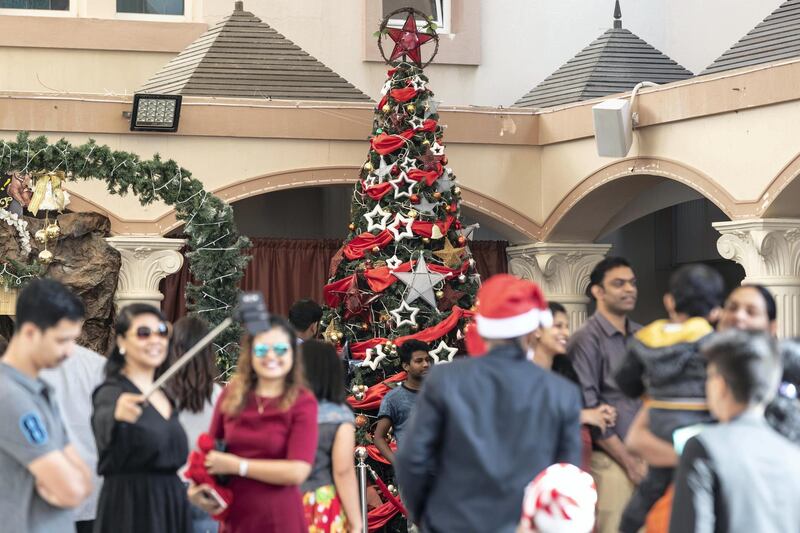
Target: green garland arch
[(216, 258)]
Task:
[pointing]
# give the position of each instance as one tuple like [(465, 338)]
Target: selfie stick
[(194, 350)]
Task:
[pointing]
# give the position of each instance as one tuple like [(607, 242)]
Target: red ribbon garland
[(376, 192), (379, 279), (372, 399), (425, 229), (375, 453), (428, 125), (428, 176), (386, 143), (359, 349), (333, 293), (356, 248), (403, 95), (380, 516)]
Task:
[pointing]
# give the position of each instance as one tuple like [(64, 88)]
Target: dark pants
[(649, 491), (85, 526)]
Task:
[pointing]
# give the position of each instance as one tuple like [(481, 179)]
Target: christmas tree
[(405, 270)]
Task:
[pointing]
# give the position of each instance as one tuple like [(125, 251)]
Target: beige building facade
[(530, 176)]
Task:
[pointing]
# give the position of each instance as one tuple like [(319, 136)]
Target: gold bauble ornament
[(426, 142), (46, 257), (457, 190), (53, 231), (440, 294), (392, 489), (368, 166), (386, 108), (40, 236), (411, 108), (364, 326), (351, 227), (412, 214), (426, 240)]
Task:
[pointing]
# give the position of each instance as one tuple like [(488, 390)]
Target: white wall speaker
[(612, 127)]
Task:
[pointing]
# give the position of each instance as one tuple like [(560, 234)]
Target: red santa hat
[(509, 307)]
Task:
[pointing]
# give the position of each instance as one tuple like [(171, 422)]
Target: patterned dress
[(323, 509)]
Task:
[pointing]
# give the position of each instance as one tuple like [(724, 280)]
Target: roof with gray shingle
[(776, 37), (615, 62), (242, 57)]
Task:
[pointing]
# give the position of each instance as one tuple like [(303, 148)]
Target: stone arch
[(512, 223), (596, 204), (779, 199)]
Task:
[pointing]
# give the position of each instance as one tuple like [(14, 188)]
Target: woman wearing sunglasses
[(268, 422), (140, 445)]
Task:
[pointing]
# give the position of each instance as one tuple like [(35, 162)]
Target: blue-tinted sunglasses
[(279, 348)]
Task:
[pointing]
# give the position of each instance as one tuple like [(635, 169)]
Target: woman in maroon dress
[(268, 421)]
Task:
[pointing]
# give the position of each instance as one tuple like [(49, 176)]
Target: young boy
[(397, 404), (664, 361)]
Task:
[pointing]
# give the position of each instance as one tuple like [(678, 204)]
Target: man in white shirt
[(74, 382)]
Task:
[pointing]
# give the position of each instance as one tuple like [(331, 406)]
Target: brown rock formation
[(86, 263)]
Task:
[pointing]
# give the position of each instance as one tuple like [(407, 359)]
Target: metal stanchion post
[(361, 468)]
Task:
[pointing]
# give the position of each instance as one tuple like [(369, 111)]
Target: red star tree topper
[(408, 40)]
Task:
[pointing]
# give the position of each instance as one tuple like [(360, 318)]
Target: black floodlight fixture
[(156, 112)]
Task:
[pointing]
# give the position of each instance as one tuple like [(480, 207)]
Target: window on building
[(150, 7), (51, 5), (438, 10)]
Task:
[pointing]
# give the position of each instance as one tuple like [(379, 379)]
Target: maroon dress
[(274, 434)]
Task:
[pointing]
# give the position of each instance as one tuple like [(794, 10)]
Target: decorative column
[(561, 270), (145, 262), (769, 251)]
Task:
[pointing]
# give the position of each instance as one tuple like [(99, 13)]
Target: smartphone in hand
[(213, 495)]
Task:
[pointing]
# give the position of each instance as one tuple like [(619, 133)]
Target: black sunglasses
[(145, 332)]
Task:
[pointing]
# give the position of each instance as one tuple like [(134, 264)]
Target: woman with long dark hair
[(141, 445), (267, 419), (195, 393), (550, 353), (330, 494)]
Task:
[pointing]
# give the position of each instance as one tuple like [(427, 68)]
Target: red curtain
[(287, 270)]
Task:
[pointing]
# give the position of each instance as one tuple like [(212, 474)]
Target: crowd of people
[(689, 424)]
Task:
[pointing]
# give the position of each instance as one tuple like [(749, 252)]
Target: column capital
[(769, 251), (146, 261), (561, 269), (766, 248)]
